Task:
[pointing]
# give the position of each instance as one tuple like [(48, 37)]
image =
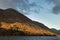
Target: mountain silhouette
[(13, 22)]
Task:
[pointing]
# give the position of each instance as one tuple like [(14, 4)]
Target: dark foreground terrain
[(16, 32)]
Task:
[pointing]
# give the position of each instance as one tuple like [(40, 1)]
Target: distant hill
[(13, 22), (56, 31)]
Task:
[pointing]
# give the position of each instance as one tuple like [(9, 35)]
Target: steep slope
[(12, 19)]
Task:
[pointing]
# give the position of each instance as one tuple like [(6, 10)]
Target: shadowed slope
[(12, 19)]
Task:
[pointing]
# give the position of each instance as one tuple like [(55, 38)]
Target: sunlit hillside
[(12, 20)]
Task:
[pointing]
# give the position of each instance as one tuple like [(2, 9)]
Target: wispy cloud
[(27, 6), (21, 5)]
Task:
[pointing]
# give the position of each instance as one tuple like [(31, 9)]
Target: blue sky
[(44, 11)]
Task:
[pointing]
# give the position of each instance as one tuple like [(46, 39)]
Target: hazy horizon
[(44, 11)]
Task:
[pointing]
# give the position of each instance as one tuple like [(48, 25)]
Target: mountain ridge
[(12, 19)]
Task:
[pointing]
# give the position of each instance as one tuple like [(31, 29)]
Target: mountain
[(13, 22), (56, 31)]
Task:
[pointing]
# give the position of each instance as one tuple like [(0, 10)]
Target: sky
[(44, 11)]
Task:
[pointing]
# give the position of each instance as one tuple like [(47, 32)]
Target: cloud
[(56, 8), (7, 3), (20, 5), (27, 7), (55, 1), (11, 3)]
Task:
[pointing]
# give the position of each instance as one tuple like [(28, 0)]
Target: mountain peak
[(10, 9), (13, 15)]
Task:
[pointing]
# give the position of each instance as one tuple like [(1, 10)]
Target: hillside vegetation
[(14, 23)]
